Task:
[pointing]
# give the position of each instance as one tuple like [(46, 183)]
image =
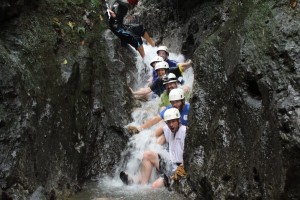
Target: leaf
[(65, 62), (81, 30), (71, 24), (56, 22)]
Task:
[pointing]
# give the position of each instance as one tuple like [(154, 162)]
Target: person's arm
[(112, 14), (184, 66), (150, 80), (161, 140), (159, 132), (150, 122), (142, 91), (147, 124)]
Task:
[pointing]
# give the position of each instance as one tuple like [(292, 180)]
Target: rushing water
[(113, 188)]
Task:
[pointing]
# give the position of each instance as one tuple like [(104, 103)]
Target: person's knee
[(148, 155)]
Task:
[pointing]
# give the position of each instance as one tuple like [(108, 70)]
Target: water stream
[(113, 188)]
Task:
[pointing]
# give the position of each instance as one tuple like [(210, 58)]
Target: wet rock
[(64, 101), (244, 123), (51, 133)]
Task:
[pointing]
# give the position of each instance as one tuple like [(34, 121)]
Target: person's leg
[(149, 39), (141, 51), (150, 160), (158, 183)]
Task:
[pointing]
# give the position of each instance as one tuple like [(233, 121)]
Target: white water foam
[(132, 156)]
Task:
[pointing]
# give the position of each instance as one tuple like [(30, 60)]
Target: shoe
[(125, 179), (123, 44)]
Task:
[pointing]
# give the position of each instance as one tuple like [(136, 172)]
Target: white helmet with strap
[(162, 48), (162, 65), (171, 113), (170, 78), (176, 94), (156, 59)]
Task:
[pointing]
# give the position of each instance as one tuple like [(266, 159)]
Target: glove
[(133, 130), (180, 172)]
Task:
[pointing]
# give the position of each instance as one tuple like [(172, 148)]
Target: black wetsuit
[(128, 34)]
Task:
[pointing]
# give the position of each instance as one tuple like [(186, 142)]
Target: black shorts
[(131, 35)]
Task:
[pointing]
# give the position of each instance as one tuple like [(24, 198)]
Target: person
[(128, 34), (177, 100), (163, 52), (171, 82), (157, 86), (174, 136), (153, 62), (162, 68)]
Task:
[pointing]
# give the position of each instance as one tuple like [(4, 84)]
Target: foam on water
[(132, 156)]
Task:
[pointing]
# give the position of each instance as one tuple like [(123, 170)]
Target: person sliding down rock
[(162, 69), (177, 100), (128, 33), (174, 136), (163, 52)]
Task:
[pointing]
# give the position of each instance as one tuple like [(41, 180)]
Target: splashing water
[(145, 140), (113, 188)]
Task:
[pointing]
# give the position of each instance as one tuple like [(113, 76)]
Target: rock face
[(63, 101), (64, 98), (243, 141)]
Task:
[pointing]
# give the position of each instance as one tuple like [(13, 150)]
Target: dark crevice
[(226, 178), (255, 175), (253, 89)]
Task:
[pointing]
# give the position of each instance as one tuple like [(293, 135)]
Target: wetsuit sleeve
[(153, 85), (121, 11), (176, 71), (163, 111), (180, 68)]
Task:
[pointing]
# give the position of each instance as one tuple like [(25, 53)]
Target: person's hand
[(131, 90), (133, 129), (186, 89), (112, 13), (189, 61)]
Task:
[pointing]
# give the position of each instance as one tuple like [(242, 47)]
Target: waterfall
[(132, 156)]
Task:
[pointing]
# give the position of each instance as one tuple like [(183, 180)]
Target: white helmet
[(156, 59), (170, 78), (171, 113), (162, 48), (162, 65), (176, 94)]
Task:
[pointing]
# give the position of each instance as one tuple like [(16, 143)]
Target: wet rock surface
[(64, 98), (243, 141)]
